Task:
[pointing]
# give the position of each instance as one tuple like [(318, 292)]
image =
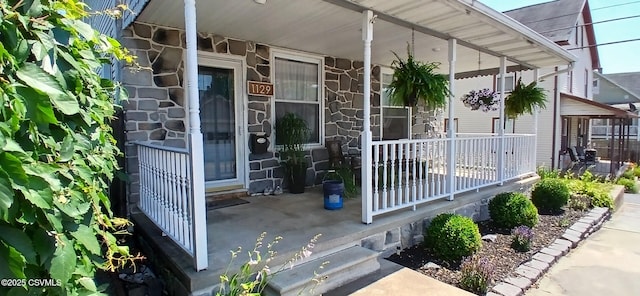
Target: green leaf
[(88, 284), (6, 195), (67, 149), (15, 263), (42, 81), (48, 172), (64, 261), (38, 192), (12, 164), (20, 241), (39, 108), (87, 238), (44, 245)]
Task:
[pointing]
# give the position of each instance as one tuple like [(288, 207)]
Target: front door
[(220, 88)]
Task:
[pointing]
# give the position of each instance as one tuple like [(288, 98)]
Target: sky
[(614, 58)]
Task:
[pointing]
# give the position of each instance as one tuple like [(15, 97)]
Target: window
[(570, 81), (509, 125), (455, 125), (395, 119), (509, 83), (297, 90), (586, 83)]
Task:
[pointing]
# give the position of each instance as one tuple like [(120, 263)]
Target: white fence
[(410, 172), (166, 195)]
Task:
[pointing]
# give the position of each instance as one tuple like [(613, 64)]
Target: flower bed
[(500, 253)]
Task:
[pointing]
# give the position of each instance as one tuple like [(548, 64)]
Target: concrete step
[(344, 266)]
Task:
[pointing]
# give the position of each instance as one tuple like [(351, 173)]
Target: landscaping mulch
[(504, 258)]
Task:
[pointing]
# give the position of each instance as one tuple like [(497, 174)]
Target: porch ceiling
[(333, 28), (575, 106)]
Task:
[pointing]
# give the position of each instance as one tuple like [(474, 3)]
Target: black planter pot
[(297, 178)]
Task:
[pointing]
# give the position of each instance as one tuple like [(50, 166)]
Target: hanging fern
[(524, 99), (414, 80)]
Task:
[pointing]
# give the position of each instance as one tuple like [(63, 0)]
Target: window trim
[(496, 80), (446, 124), (386, 70), (305, 58), (493, 125)]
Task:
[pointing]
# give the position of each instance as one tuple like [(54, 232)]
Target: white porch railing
[(410, 172), (166, 196)]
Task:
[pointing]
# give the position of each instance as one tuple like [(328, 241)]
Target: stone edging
[(529, 272)]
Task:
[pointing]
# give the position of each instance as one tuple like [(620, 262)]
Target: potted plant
[(524, 99), (291, 134), (484, 99), (415, 80)]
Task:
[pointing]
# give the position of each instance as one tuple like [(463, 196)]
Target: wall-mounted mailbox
[(258, 143)]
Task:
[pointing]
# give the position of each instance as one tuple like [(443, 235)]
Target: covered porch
[(402, 179), (577, 116)]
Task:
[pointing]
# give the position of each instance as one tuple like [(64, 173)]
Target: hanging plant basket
[(524, 99), (415, 81), (484, 99)]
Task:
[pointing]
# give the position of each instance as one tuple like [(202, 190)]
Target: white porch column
[(535, 124), (196, 153), (451, 132), (503, 72), (367, 174)]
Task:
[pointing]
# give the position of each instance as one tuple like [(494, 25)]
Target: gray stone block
[(528, 272), (572, 238), (507, 289), (544, 257), (392, 236), (374, 242), (518, 281), (537, 264), (564, 249), (562, 242), (573, 232), (552, 252)]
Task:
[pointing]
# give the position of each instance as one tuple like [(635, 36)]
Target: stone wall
[(156, 110)]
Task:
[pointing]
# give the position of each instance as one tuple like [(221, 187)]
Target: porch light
[(260, 1)]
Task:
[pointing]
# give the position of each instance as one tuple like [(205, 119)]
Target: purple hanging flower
[(484, 99)]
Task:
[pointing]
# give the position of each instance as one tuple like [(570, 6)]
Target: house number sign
[(260, 88)]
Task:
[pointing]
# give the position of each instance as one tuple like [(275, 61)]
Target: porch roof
[(333, 28), (571, 105)]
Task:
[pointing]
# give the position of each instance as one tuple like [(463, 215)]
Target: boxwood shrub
[(550, 195), (452, 237), (511, 209)]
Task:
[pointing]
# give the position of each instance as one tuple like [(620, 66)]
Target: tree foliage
[(57, 153)]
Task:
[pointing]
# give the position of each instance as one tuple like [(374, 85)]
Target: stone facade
[(156, 111)]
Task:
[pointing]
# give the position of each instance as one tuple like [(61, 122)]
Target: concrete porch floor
[(295, 217)]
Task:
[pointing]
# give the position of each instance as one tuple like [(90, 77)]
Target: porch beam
[(500, 168), (451, 132), (196, 151), (367, 173)]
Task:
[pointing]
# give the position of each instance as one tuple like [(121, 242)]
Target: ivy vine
[(57, 153)]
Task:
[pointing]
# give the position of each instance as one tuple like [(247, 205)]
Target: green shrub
[(629, 185), (628, 174), (636, 171), (545, 173), (476, 274), (602, 200), (550, 195), (452, 236), (511, 209), (579, 202)]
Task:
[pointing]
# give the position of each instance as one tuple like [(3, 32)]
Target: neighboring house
[(190, 115), (565, 121), (622, 138)]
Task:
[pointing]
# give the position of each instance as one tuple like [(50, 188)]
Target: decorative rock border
[(529, 272)]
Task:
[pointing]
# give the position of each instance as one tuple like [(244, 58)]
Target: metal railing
[(407, 173)]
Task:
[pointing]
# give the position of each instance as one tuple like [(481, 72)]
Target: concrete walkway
[(606, 263)]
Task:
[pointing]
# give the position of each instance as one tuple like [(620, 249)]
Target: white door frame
[(242, 157)]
